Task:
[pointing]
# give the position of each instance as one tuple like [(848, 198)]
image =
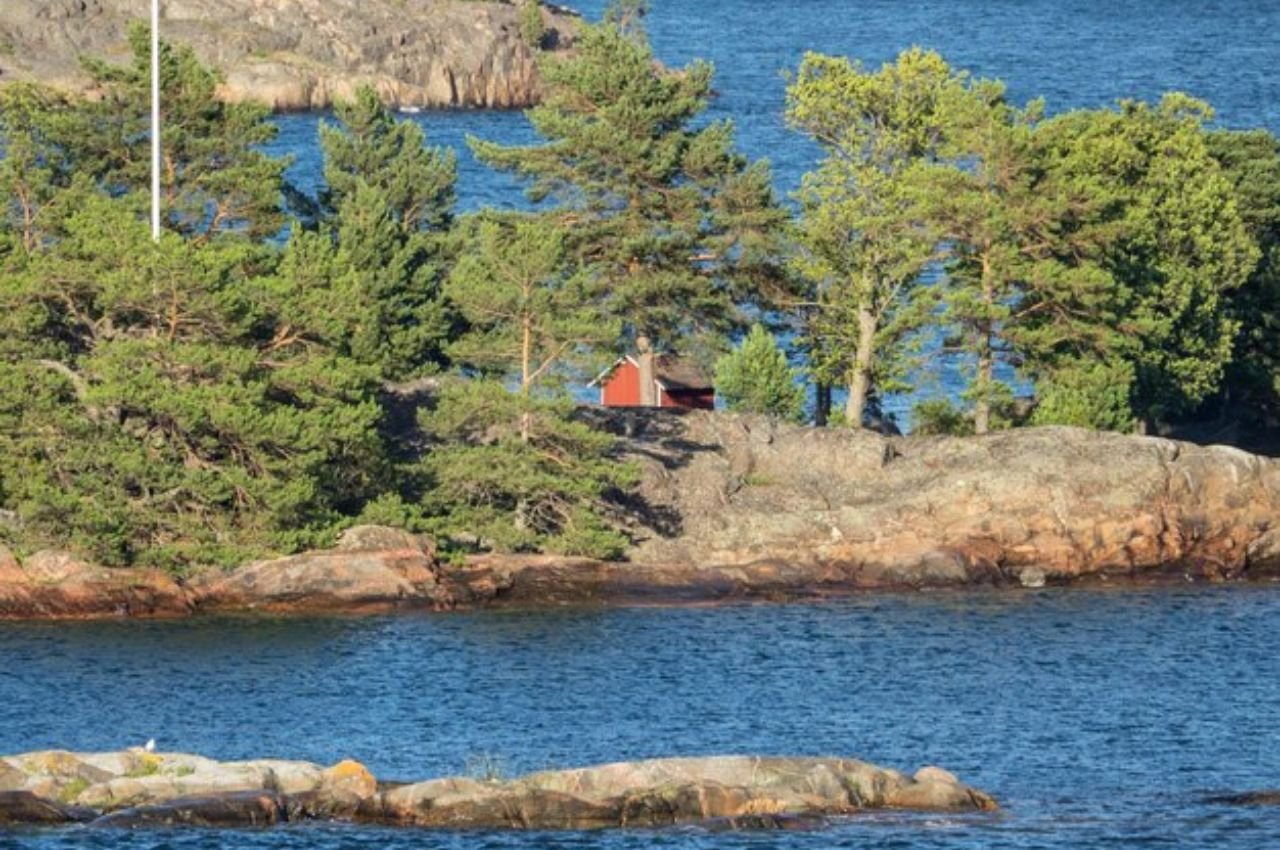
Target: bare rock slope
[(749, 508), (1024, 505), (301, 54)]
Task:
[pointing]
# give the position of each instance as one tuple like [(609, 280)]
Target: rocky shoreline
[(303, 55), (741, 508), (137, 788)]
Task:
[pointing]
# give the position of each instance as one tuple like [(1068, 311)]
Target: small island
[(361, 398), (139, 788)]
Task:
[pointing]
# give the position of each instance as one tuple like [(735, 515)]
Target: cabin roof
[(671, 371), (676, 373)]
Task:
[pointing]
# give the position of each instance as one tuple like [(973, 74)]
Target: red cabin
[(676, 383)]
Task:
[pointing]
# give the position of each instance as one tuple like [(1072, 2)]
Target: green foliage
[(940, 417), (1088, 394), (179, 403), (532, 316), (1163, 224), (513, 467), (34, 124), (1250, 161), (532, 29), (214, 180), (73, 789), (679, 227), (383, 239), (755, 378), (148, 415), (864, 233), (520, 474), (1020, 287)]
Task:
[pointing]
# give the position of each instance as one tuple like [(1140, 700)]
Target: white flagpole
[(155, 120)]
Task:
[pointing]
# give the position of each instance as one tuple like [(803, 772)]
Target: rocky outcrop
[(304, 54), (749, 508), (743, 507), (371, 568), (1248, 798), (52, 585), (234, 810), (141, 789), (22, 808), (664, 792), (1058, 503)]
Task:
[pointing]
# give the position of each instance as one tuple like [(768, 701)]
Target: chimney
[(648, 380)]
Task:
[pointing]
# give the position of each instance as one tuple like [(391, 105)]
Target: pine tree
[(387, 214), (35, 123), (215, 180), (168, 403), (152, 414), (680, 227), (1168, 236), (864, 236), (1251, 163), (513, 466), (756, 378), (1021, 287)]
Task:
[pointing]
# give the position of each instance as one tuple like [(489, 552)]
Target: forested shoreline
[(238, 389)]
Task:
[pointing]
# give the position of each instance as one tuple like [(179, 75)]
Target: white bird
[(150, 745)]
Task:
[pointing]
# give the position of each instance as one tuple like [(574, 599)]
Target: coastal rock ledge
[(745, 508), (139, 789), (305, 54)]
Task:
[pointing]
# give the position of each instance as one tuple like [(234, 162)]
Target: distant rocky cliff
[(301, 54)]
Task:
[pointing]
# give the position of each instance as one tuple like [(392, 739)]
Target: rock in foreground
[(664, 792), (304, 54), (137, 789)]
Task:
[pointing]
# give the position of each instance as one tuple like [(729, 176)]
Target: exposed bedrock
[(301, 54), (143, 789), (741, 508)]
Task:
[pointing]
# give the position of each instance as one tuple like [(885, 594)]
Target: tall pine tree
[(864, 233), (510, 463), (680, 227)]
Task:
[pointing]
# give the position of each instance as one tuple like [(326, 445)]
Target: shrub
[(756, 378)]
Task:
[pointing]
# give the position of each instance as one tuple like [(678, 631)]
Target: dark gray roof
[(676, 373)]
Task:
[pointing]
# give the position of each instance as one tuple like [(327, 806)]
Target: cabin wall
[(688, 399), (623, 387)]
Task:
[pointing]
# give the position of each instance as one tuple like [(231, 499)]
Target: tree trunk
[(526, 357), (648, 378), (860, 378), (821, 404), (982, 407)]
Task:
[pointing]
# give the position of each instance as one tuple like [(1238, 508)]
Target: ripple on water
[(1095, 716)]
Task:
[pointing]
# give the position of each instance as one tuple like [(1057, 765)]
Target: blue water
[(1098, 718), (1075, 53)]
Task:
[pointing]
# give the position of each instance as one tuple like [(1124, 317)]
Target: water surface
[(1098, 718)]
